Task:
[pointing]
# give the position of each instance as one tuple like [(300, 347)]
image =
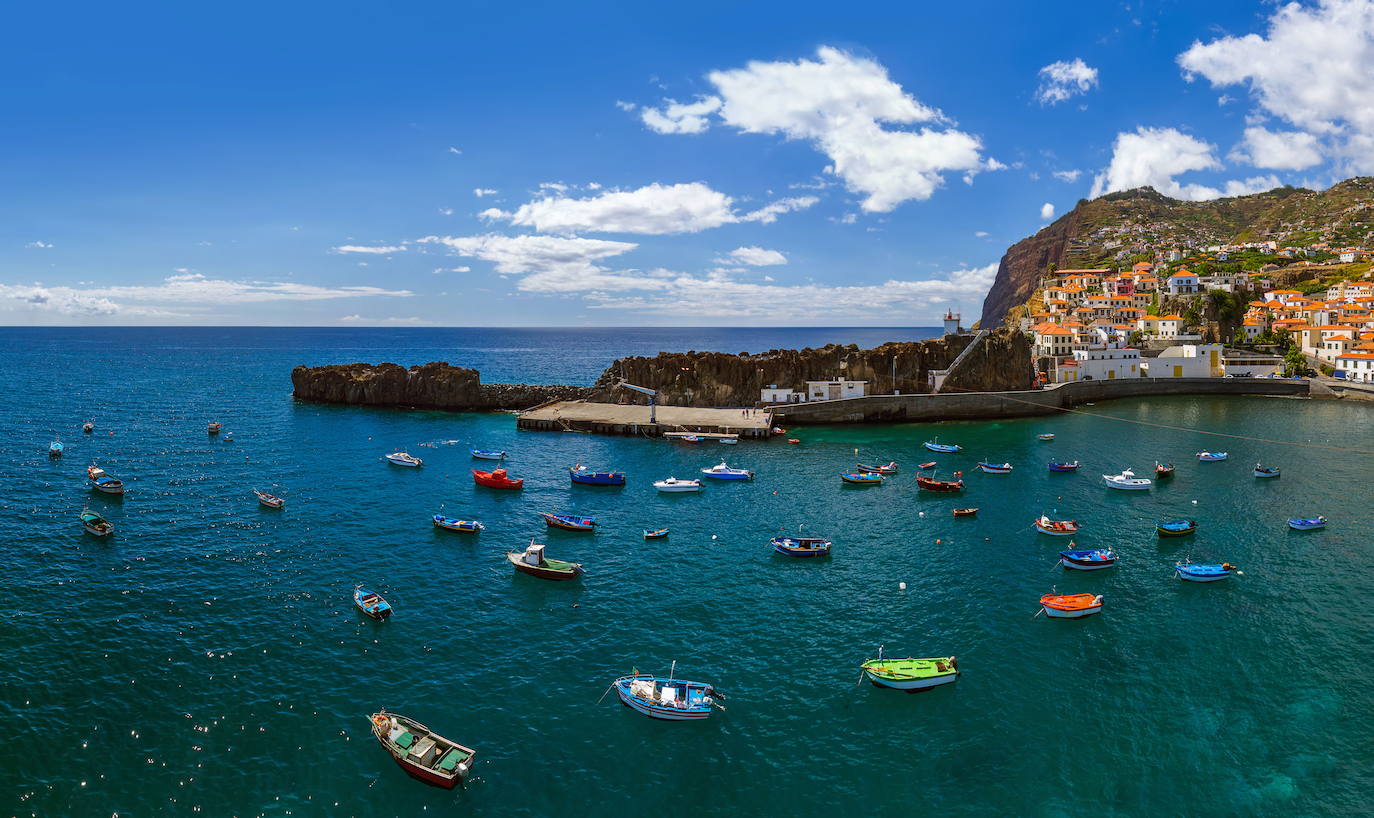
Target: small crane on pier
[(644, 390)]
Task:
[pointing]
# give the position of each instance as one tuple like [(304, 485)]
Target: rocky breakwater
[(431, 386)]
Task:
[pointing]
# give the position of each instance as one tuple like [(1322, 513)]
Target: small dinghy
[(568, 522), (533, 562), (1309, 524), (455, 524), (656, 534), (1126, 481), (55, 449), (689, 439), (1056, 528), (673, 485), (421, 752), (728, 441), (863, 478), (793, 440), (944, 448), (802, 546), (1071, 466), (100, 481), (1087, 560), (95, 524), (1266, 471), (995, 468), (890, 468), (965, 512), (487, 454), (910, 674), (720, 471), (1176, 528), (404, 459), (1045, 436), (927, 466), (1196, 572), (1212, 456), (88, 427), (1070, 606), (371, 603), (213, 427), (497, 479), (587, 477), (269, 500), (931, 484), (667, 698), (1163, 470)]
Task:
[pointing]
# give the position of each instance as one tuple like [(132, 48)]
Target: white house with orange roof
[(1183, 283), (1160, 326), (1282, 296), (1355, 366), (1053, 340)]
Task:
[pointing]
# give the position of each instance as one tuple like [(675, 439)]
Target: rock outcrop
[(431, 386), (1000, 361)]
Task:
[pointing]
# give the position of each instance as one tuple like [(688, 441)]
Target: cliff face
[(1019, 272), (1001, 361), (431, 386)]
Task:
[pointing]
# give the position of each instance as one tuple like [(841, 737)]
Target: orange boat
[(1070, 606), (496, 479)]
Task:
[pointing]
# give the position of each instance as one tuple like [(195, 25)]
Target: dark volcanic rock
[(431, 386)]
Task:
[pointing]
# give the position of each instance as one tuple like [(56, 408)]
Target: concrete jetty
[(630, 419)]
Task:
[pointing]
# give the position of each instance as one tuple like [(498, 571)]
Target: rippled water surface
[(206, 658)]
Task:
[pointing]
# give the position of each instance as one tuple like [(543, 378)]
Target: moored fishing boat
[(568, 522), (1045, 436), (1163, 470), (1266, 471), (802, 546), (88, 427), (455, 524), (655, 534), (1176, 528), (1070, 466), (728, 441), (421, 752), (95, 524), (675, 486), (1202, 572), (1212, 456), (1308, 524), (1087, 559), (944, 448), (1055, 528), (533, 562), (271, 501), (667, 698), (927, 465), (931, 484), (497, 479), (1126, 481), (720, 471), (995, 468), (487, 454), (55, 448), (587, 477), (100, 481), (213, 427), (1070, 606), (371, 603), (911, 674), (965, 512), (689, 439), (863, 478), (404, 459), (890, 468)]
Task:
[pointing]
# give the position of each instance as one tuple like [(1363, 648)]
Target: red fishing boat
[(931, 484), (421, 752), (496, 479)]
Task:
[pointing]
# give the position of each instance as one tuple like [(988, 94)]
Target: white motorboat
[(672, 484), (404, 459), (724, 472), (1127, 481)]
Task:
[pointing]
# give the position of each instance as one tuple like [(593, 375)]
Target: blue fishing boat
[(862, 478), (569, 522), (55, 449), (995, 468), (1212, 456), (667, 698), (455, 524), (721, 471), (1310, 524), (1266, 471), (487, 454), (371, 603), (802, 546), (946, 448), (1198, 572), (1064, 466), (1176, 528), (655, 534), (1087, 559), (587, 477)]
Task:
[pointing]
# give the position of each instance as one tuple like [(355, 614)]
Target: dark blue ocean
[(206, 660)]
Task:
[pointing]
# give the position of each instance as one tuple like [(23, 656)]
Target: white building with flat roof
[(1105, 364), (838, 388)]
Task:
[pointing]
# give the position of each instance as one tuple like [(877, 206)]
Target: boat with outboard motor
[(1202, 572), (1071, 466), (1087, 559), (487, 454), (667, 698), (95, 524), (568, 522), (404, 459), (371, 604), (100, 481), (1308, 524), (497, 479), (911, 674), (1055, 528), (890, 468), (944, 448), (585, 476), (421, 752), (455, 524), (1211, 457), (533, 562), (1070, 606), (863, 478), (802, 546), (929, 483), (1126, 481), (655, 534), (269, 500), (720, 471), (672, 485), (1266, 471), (1176, 528), (994, 468)]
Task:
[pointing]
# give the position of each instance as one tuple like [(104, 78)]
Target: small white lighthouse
[(952, 323)]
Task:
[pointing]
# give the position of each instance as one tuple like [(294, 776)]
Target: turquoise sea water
[(206, 658)]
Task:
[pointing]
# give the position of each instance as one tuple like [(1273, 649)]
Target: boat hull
[(542, 572), (986, 469), (1265, 475), (461, 526), (801, 548), (597, 478), (678, 488), (1055, 613), (1078, 565), (855, 481), (910, 684), (108, 489), (941, 486), (410, 464), (1189, 577), (1128, 486), (491, 481), (1060, 467), (941, 448), (554, 522), (726, 475), (1055, 532), (1165, 532)]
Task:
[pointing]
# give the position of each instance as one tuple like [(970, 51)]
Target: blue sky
[(523, 164)]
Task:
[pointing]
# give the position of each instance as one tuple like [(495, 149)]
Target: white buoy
[(901, 586), (713, 536), (920, 514)]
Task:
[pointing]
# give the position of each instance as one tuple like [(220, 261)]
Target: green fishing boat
[(911, 674)]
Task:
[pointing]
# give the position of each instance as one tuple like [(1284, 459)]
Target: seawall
[(985, 405)]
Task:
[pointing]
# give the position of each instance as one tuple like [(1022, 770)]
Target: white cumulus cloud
[(552, 263), (1064, 80), (373, 251), (677, 117), (1154, 156), (1282, 150), (40, 245), (769, 213), (1046, 211), (754, 257), (1068, 175)]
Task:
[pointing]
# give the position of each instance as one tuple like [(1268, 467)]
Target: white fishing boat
[(720, 471), (404, 459), (1127, 481), (672, 484)]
